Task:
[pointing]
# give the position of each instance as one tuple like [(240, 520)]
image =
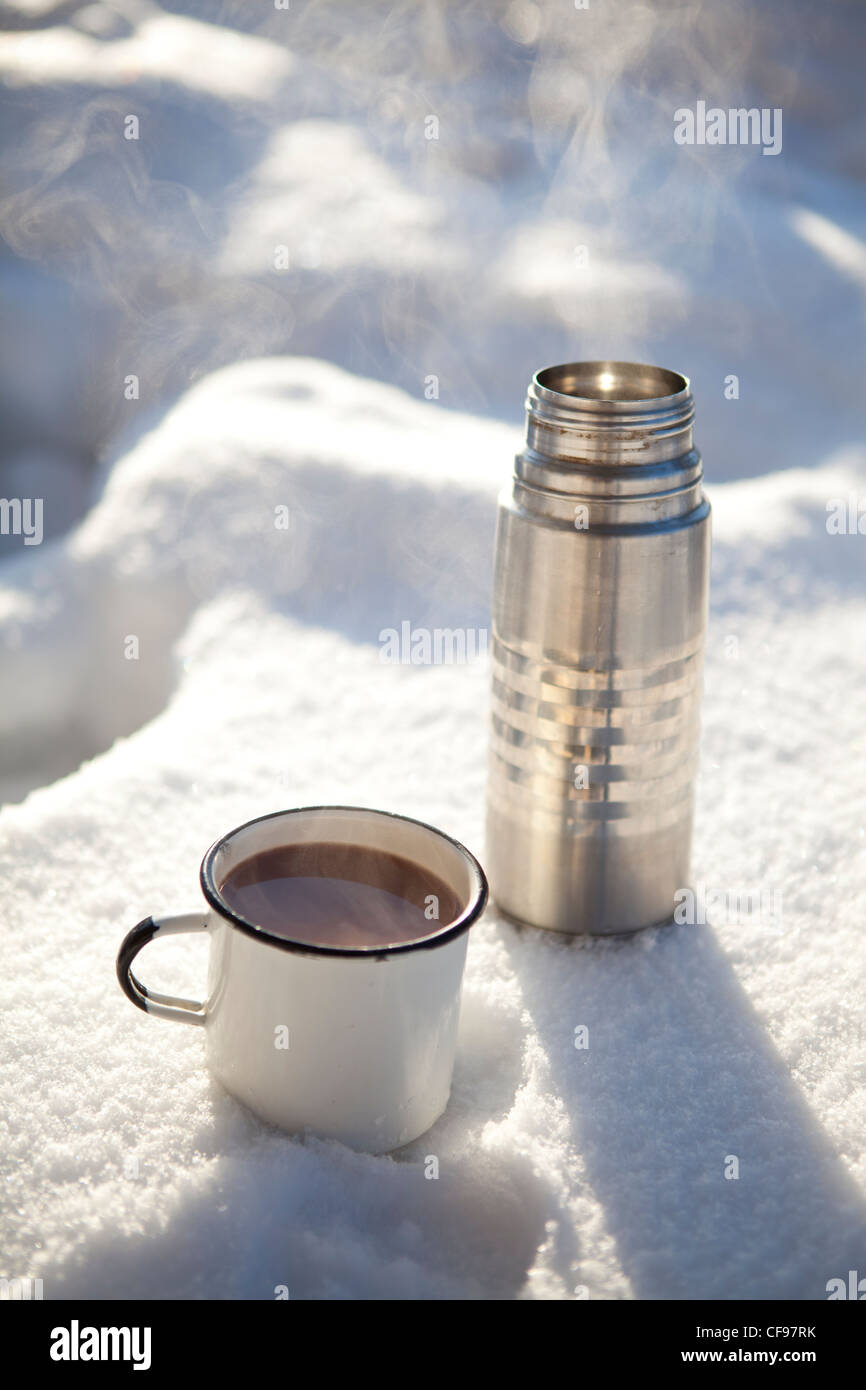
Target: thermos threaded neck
[(609, 412), (612, 433)]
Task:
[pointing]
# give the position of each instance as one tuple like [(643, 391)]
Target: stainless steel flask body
[(599, 614)]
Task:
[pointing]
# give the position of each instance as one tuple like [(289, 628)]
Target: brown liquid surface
[(339, 895)]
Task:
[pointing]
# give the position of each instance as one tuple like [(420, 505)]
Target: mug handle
[(163, 1005)]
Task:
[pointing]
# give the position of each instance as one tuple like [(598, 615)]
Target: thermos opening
[(612, 381)]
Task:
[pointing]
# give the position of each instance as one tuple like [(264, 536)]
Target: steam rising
[(442, 193)]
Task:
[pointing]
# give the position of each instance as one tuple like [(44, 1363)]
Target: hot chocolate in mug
[(355, 1041)]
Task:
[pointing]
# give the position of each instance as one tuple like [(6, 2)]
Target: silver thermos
[(599, 615)]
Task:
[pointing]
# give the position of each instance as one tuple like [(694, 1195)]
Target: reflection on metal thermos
[(599, 615)]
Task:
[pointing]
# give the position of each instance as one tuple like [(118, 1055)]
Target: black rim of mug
[(470, 914)]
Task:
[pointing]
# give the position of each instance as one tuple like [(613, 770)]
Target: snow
[(564, 1173)]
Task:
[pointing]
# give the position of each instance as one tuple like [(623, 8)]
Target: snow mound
[(257, 683)]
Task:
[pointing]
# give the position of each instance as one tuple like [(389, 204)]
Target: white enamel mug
[(349, 1044)]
